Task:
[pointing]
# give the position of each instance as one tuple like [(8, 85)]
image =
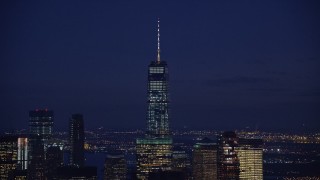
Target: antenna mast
[(158, 50)]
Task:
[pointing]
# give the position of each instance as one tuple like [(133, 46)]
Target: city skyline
[(232, 65)]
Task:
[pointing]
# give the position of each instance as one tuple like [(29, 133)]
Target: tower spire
[(158, 50)]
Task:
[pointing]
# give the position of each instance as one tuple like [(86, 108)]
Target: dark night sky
[(232, 64)]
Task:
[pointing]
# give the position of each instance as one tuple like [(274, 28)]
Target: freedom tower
[(158, 100), (155, 150)]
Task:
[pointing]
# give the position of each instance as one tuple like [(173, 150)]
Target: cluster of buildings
[(229, 158), (34, 157)]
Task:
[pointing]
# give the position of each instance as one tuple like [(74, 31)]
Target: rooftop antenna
[(158, 50)]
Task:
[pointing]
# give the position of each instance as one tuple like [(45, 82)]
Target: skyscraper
[(228, 167), (40, 132), (250, 154), (36, 168), (76, 133), (158, 97), (22, 153), (158, 100), (155, 150), (153, 155), (40, 125), (205, 160)]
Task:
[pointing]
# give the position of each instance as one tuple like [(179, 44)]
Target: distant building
[(180, 160), (54, 159), (23, 153), (154, 152), (40, 132), (76, 133), (228, 166), (153, 155), (36, 168), (205, 160), (250, 155), (8, 155), (76, 173), (115, 167), (40, 126), (158, 100)]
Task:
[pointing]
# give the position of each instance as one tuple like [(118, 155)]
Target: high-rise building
[(115, 167), (40, 125), (36, 168), (158, 100), (228, 166), (205, 160), (76, 133), (22, 153), (154, 152), (40, 132), (158, 97), (250, 155), (8, 155)]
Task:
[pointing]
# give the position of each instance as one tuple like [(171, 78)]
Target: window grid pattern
[(158, 101)]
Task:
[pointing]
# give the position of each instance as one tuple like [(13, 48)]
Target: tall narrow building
[(154, 152), (36, 168), (158, 97), (76, 133), (158, 100), (40, 132), (22, 153)]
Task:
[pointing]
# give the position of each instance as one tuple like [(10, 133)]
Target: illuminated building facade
[(158, 97), (250, 155), (22, 153), (205, 160), (76, 133), (115, 167), (158, 100), (8, 155), (153, 155), (154, 152), (228, 166), (180, 160)]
